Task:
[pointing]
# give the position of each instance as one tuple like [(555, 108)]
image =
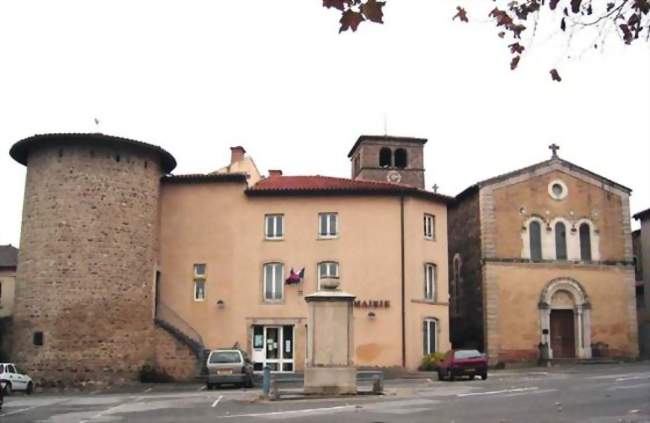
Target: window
[(38, 338), (385, 157), (560, 241), (535, 230), (199, 281), (328, 225), (429, 226), (273, 281), (327, 269), (430, 281), (585, 242), (557, 190), (400, 158), (274, 226), (429, 331)]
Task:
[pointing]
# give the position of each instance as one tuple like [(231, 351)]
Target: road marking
[(619, 376), (112, 409), (216, 402), (623, 379), (639, 385), (309, 410), (518, 394), (147, 390), (504, 391), (202, 388), (31, 408)]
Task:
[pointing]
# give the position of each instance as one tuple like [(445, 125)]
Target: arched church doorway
[(565, 319)]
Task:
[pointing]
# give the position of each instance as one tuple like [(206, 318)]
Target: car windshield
[(225, 357), (467, 354)]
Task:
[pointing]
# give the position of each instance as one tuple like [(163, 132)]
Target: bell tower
[(389, 159)]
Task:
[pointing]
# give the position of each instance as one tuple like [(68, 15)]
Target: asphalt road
[(595, 393)]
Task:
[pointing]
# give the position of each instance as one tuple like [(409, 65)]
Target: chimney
[(275, 172), (236, 154)]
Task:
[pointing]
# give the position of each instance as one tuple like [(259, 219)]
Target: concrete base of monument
[(330, 381)]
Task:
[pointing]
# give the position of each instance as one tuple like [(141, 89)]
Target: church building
[(541, 265)]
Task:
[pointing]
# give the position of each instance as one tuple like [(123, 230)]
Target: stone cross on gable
[(555, 148), (435, 188)]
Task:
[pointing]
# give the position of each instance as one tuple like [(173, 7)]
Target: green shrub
[(430, 362)]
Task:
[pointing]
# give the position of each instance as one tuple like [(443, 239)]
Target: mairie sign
[(372, 303)]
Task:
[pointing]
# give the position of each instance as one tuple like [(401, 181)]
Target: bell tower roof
[(385, 138)]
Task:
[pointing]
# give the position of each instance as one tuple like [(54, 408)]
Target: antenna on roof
[(96, 120), (385, 124)]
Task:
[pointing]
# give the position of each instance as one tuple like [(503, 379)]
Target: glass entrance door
[(273, 347)]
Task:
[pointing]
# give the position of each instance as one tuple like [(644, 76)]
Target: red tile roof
[(318, 184)]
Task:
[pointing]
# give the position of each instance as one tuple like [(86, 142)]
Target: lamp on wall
[(371, 315), (220, 304)]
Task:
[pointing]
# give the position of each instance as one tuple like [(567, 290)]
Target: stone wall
[(86, 264), (174, 358), (465, 240)]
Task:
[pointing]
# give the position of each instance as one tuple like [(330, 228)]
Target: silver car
[(229, 366)]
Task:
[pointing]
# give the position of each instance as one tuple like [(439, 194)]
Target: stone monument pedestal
[(330, 368)]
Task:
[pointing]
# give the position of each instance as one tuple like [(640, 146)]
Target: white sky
[(197, 77)]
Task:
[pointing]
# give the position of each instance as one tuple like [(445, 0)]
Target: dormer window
[(385, 157), (400, 158)]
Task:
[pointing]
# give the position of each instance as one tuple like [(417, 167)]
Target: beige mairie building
[(238, 253), (542, 264)]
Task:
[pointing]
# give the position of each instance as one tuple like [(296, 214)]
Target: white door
[(273, 347)]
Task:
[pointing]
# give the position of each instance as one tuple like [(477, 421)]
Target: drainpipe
[(401, 215)]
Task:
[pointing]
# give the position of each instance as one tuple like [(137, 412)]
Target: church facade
[(541, 265)]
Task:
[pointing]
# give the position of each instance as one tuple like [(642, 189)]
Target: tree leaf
[(372, 10), (575, 5), (350, 20), (514, 62), (337, 4), (516, 48), (563, 25), (462, 14), (555, 75)]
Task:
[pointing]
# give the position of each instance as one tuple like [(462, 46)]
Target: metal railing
[(172, 322)]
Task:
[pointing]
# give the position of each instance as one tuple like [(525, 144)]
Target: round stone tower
[(84, 307)]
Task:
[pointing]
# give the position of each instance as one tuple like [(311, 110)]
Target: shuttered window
[(585, 242), (560, 241), (535, 230)]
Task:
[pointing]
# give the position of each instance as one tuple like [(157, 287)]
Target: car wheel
[(8, 389), (208, 386), (450, 375), (30, 388), (483, 376), (440, 375)]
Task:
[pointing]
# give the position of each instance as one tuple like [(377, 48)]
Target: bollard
[(266, 381), (275, 393)]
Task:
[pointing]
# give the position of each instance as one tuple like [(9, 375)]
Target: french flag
[(295, 277)]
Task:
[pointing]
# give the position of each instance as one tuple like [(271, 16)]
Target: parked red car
[(458, 363)]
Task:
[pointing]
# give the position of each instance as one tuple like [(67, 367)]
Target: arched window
[(535, 230), (455, 286), (585, 242), (385, 157), (400, 158), (560, 241)]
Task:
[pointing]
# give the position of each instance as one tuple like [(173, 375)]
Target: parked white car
[(13, 380)]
